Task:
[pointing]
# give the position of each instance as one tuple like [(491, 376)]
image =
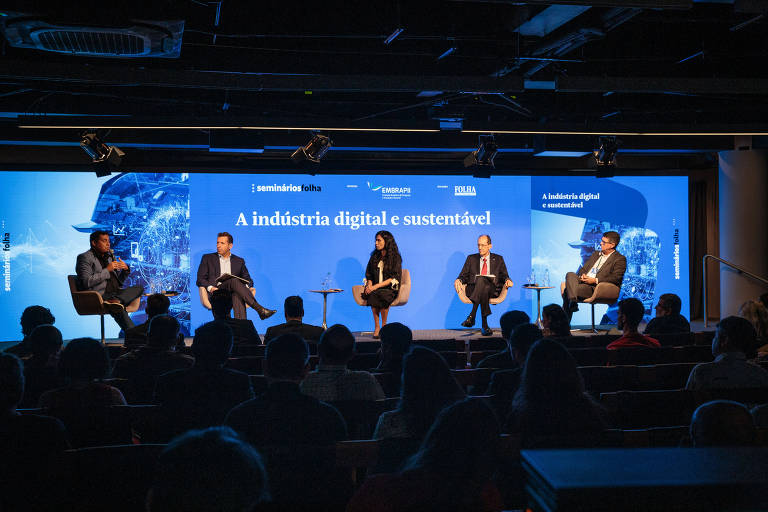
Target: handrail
[(732, 265)]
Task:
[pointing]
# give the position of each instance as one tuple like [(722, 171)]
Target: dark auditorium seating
[(662, 408), (247, 349), (101, 426), (360, 415), (477, 378), (494, 344), (109, 477)]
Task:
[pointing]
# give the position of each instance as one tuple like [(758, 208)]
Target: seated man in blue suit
[(215, 264), (99, 270)]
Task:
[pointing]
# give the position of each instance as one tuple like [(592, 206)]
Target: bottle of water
[(326, 281), (546, 278), (532, 278)]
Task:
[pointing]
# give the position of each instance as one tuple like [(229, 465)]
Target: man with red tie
[(484, 274)]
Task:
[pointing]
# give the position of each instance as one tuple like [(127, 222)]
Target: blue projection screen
[(297, 231)]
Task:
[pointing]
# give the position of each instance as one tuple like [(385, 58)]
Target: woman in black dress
[(382, 278)]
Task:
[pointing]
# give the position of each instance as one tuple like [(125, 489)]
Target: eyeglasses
[(483, 245), (605, 242)]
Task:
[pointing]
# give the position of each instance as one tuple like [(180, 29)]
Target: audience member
[(631, 313), (504, 360), (396, 340), (332, 380), (760, 415), (555, 321), (551, 409), (208, 470), (29, 445), (764, 299), (201, 396), (41, 370), (144, 365), (428, 387), (243, 330), (157, 304), (283, 415), (668, 318), (734, 340), (722, 423), (293, 308), (451, 471), (504, 383), (31, 317), (757, 314), (84, 362)]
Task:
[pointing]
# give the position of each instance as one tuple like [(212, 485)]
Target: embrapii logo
[(464, 190), (388, 192), (285, 187)]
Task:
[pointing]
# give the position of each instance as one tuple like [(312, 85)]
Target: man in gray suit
[(99, 270), (604, 266)]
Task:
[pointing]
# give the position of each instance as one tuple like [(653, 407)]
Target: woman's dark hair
[(558, 320), (84, 359), (428, 387), (392, 257), (462, 442), (551, 400)]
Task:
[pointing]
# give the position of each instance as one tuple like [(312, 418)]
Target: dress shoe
[(574, 306), (112, 301), (486, 331), (469, 322), (264, 313)]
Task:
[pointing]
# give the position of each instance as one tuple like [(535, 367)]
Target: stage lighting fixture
[(605, 156), (485, 153), (105, 158), (314, 151)]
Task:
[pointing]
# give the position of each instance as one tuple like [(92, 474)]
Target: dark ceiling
[(592, 67)]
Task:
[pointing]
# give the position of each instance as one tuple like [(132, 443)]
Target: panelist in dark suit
[(294, 312), (382, 277), (98, 270), (604, 266), (480, 290), (213, 265)]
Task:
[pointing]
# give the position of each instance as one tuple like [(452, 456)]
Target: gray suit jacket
[(92, 276)]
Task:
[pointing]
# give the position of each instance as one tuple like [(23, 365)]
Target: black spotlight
[(605, 156), (105, 158), (483, 156), (314, 151)]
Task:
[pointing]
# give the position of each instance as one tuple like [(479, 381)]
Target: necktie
[(484, 270)]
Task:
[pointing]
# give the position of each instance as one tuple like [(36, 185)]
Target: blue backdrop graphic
[(164, 223)]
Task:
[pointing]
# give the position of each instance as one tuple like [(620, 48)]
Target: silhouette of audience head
[(11, 383), (760, 415), (293, 308), (462, 443), (510, 320), (45, 344), (286, 358), (157, 304), (34, 316), (212, 344), (427, 387), (722, 423), (84, 359), (336, 345), (163, 332), (521, 340), (631, 313), (221, 303), (553, 317), (734, 334), (396, 340), (757, 314), (550, 407), (211, 469), (764, 299), (669, 305)]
